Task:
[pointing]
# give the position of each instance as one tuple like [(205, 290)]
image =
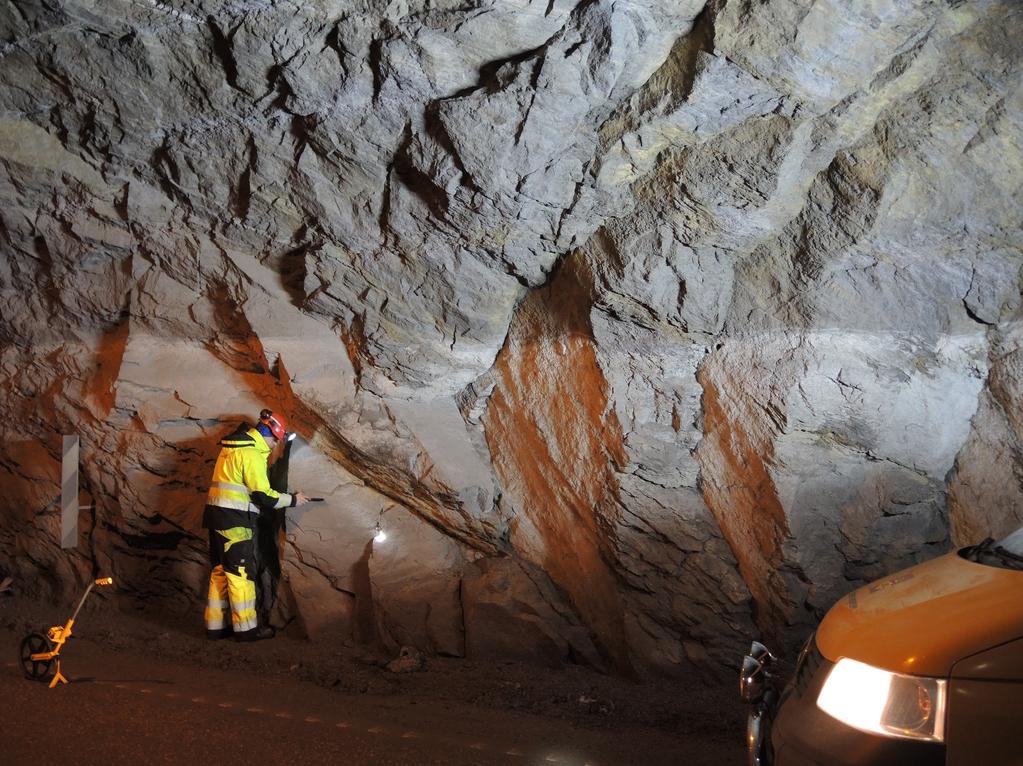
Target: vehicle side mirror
[(753, 677)]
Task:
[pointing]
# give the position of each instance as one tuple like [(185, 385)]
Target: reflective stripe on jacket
[(240, 473)]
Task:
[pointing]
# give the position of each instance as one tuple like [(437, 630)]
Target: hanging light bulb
[(380, 536)]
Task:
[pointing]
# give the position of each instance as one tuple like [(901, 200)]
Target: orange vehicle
[(924, 666)]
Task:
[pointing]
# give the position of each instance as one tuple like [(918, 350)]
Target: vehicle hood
[(923, 619)]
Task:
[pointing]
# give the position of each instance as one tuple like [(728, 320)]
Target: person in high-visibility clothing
[(238, 490)]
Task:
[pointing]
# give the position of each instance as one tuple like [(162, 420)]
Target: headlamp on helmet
[(274, 422)]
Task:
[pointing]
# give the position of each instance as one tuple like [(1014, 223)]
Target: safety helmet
[(274, 422)]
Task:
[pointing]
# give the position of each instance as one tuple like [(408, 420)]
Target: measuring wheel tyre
[(35, 643)]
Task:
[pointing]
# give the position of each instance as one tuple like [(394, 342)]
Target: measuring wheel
[(35, 643)]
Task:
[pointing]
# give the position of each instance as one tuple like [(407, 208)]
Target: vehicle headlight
[(892, 704)]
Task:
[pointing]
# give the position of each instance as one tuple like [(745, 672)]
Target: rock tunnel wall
[(641, 327)]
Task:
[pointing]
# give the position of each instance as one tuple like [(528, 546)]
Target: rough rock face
[(641, 327)]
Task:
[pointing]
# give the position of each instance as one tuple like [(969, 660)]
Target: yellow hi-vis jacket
[(240, 487)]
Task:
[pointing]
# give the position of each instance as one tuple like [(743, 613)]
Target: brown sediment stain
[(232, 339), (556, 445), (357, 345), (739, 490), (109, 354)]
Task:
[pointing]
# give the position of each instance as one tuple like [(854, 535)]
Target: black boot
[(216, 635), (256, 634)]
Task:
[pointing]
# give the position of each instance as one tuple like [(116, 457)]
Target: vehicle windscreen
[(1006, 553), (1014, 542)]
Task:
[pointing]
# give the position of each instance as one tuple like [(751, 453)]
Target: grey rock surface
[(640, 328)]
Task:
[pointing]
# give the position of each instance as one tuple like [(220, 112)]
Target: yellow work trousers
[(231, 560)]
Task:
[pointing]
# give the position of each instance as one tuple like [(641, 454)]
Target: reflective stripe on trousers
[(230, 588), (234, 535), (235, 591)]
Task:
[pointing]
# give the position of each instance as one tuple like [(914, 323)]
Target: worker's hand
[(301, 498)]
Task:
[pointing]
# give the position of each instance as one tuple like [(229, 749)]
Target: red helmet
[(274, 422)]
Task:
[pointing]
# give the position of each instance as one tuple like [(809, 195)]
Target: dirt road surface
[(145, 692)]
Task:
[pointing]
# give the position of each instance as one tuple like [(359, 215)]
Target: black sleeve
[(263, 501)]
